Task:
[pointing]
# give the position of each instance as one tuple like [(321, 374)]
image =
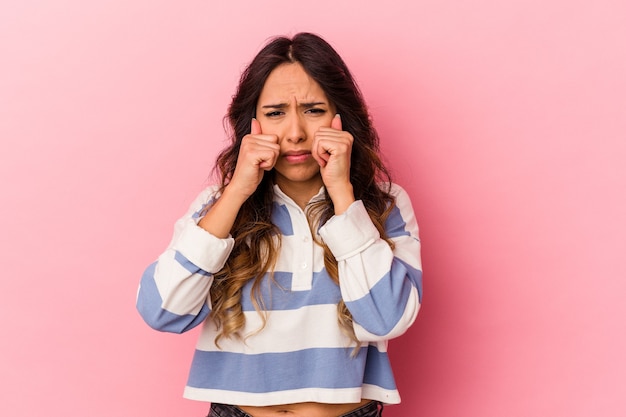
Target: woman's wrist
[(342, 198), (221, 216)]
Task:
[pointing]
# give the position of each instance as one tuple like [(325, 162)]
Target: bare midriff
[(303, 410)]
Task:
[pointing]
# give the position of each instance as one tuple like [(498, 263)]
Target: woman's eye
[(316, 111), (273, 113)]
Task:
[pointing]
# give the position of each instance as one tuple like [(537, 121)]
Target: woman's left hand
[(332, 148)]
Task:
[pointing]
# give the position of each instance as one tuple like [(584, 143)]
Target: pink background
[(505, 120)]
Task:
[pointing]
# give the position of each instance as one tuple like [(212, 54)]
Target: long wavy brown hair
[(257, 240)]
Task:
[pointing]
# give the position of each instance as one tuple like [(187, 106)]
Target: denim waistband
[(225, 410), (371, 409)]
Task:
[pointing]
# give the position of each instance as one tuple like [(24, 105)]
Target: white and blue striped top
[(301, 354)]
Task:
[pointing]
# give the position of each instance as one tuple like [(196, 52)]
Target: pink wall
[(506, 121)]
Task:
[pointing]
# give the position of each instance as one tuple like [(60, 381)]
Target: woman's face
[(293, 107)]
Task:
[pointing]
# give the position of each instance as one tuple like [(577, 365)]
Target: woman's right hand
[(258, 153)]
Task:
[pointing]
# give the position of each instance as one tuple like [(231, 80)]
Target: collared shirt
[(300, 353)]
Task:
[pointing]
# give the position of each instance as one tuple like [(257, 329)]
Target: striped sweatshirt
[(301, 354)]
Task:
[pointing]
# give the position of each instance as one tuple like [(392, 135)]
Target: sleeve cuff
[(349, 233), (203, 249)]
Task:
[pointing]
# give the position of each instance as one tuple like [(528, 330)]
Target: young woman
[(303, 261)]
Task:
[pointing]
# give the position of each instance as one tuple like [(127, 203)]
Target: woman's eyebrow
[(275, 106), (312, 104)]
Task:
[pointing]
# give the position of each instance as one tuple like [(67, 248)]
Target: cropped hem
[(320, 395)]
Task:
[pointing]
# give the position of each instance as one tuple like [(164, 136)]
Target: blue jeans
[(371, 409)]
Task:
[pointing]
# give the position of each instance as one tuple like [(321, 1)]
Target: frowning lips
[(297, 156)]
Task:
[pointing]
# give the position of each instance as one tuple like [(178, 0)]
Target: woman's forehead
[(288, 82)]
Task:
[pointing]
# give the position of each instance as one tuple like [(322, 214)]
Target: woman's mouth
[(297, 157)]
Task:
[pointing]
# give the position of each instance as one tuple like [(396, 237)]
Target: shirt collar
[(280, 195)]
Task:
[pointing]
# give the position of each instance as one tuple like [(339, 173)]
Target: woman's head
[(324, 65)]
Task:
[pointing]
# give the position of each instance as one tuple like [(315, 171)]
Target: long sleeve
[(381, 287), (173, 294)]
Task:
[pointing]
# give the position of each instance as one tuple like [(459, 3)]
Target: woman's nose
[(295, 130)]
